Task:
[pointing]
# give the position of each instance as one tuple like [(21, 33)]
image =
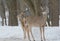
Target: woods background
[(14, 8)]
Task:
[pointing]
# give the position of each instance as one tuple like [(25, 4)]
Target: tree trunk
[(54, 12), (2, 11), (18, 6), (59, 7), (37, 5), (12, 6)]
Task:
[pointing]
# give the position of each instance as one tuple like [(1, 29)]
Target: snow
[(6, 32), (51, 33)]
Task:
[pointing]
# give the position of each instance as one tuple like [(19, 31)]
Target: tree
[(54, 12), (2, 12), (18, 6), (12, 6)]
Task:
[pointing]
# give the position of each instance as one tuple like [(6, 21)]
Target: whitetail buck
[(29, 21)]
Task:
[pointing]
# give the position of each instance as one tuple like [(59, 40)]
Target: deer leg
[(42, 34), (24, 33), (28, 33), (23, 27), (31, 33)]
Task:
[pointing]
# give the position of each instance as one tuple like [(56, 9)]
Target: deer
[(29, 21)]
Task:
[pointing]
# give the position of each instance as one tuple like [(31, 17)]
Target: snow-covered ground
[(16, 33)]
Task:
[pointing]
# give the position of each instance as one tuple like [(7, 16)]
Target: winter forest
[(29, 20), (9, 9)]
